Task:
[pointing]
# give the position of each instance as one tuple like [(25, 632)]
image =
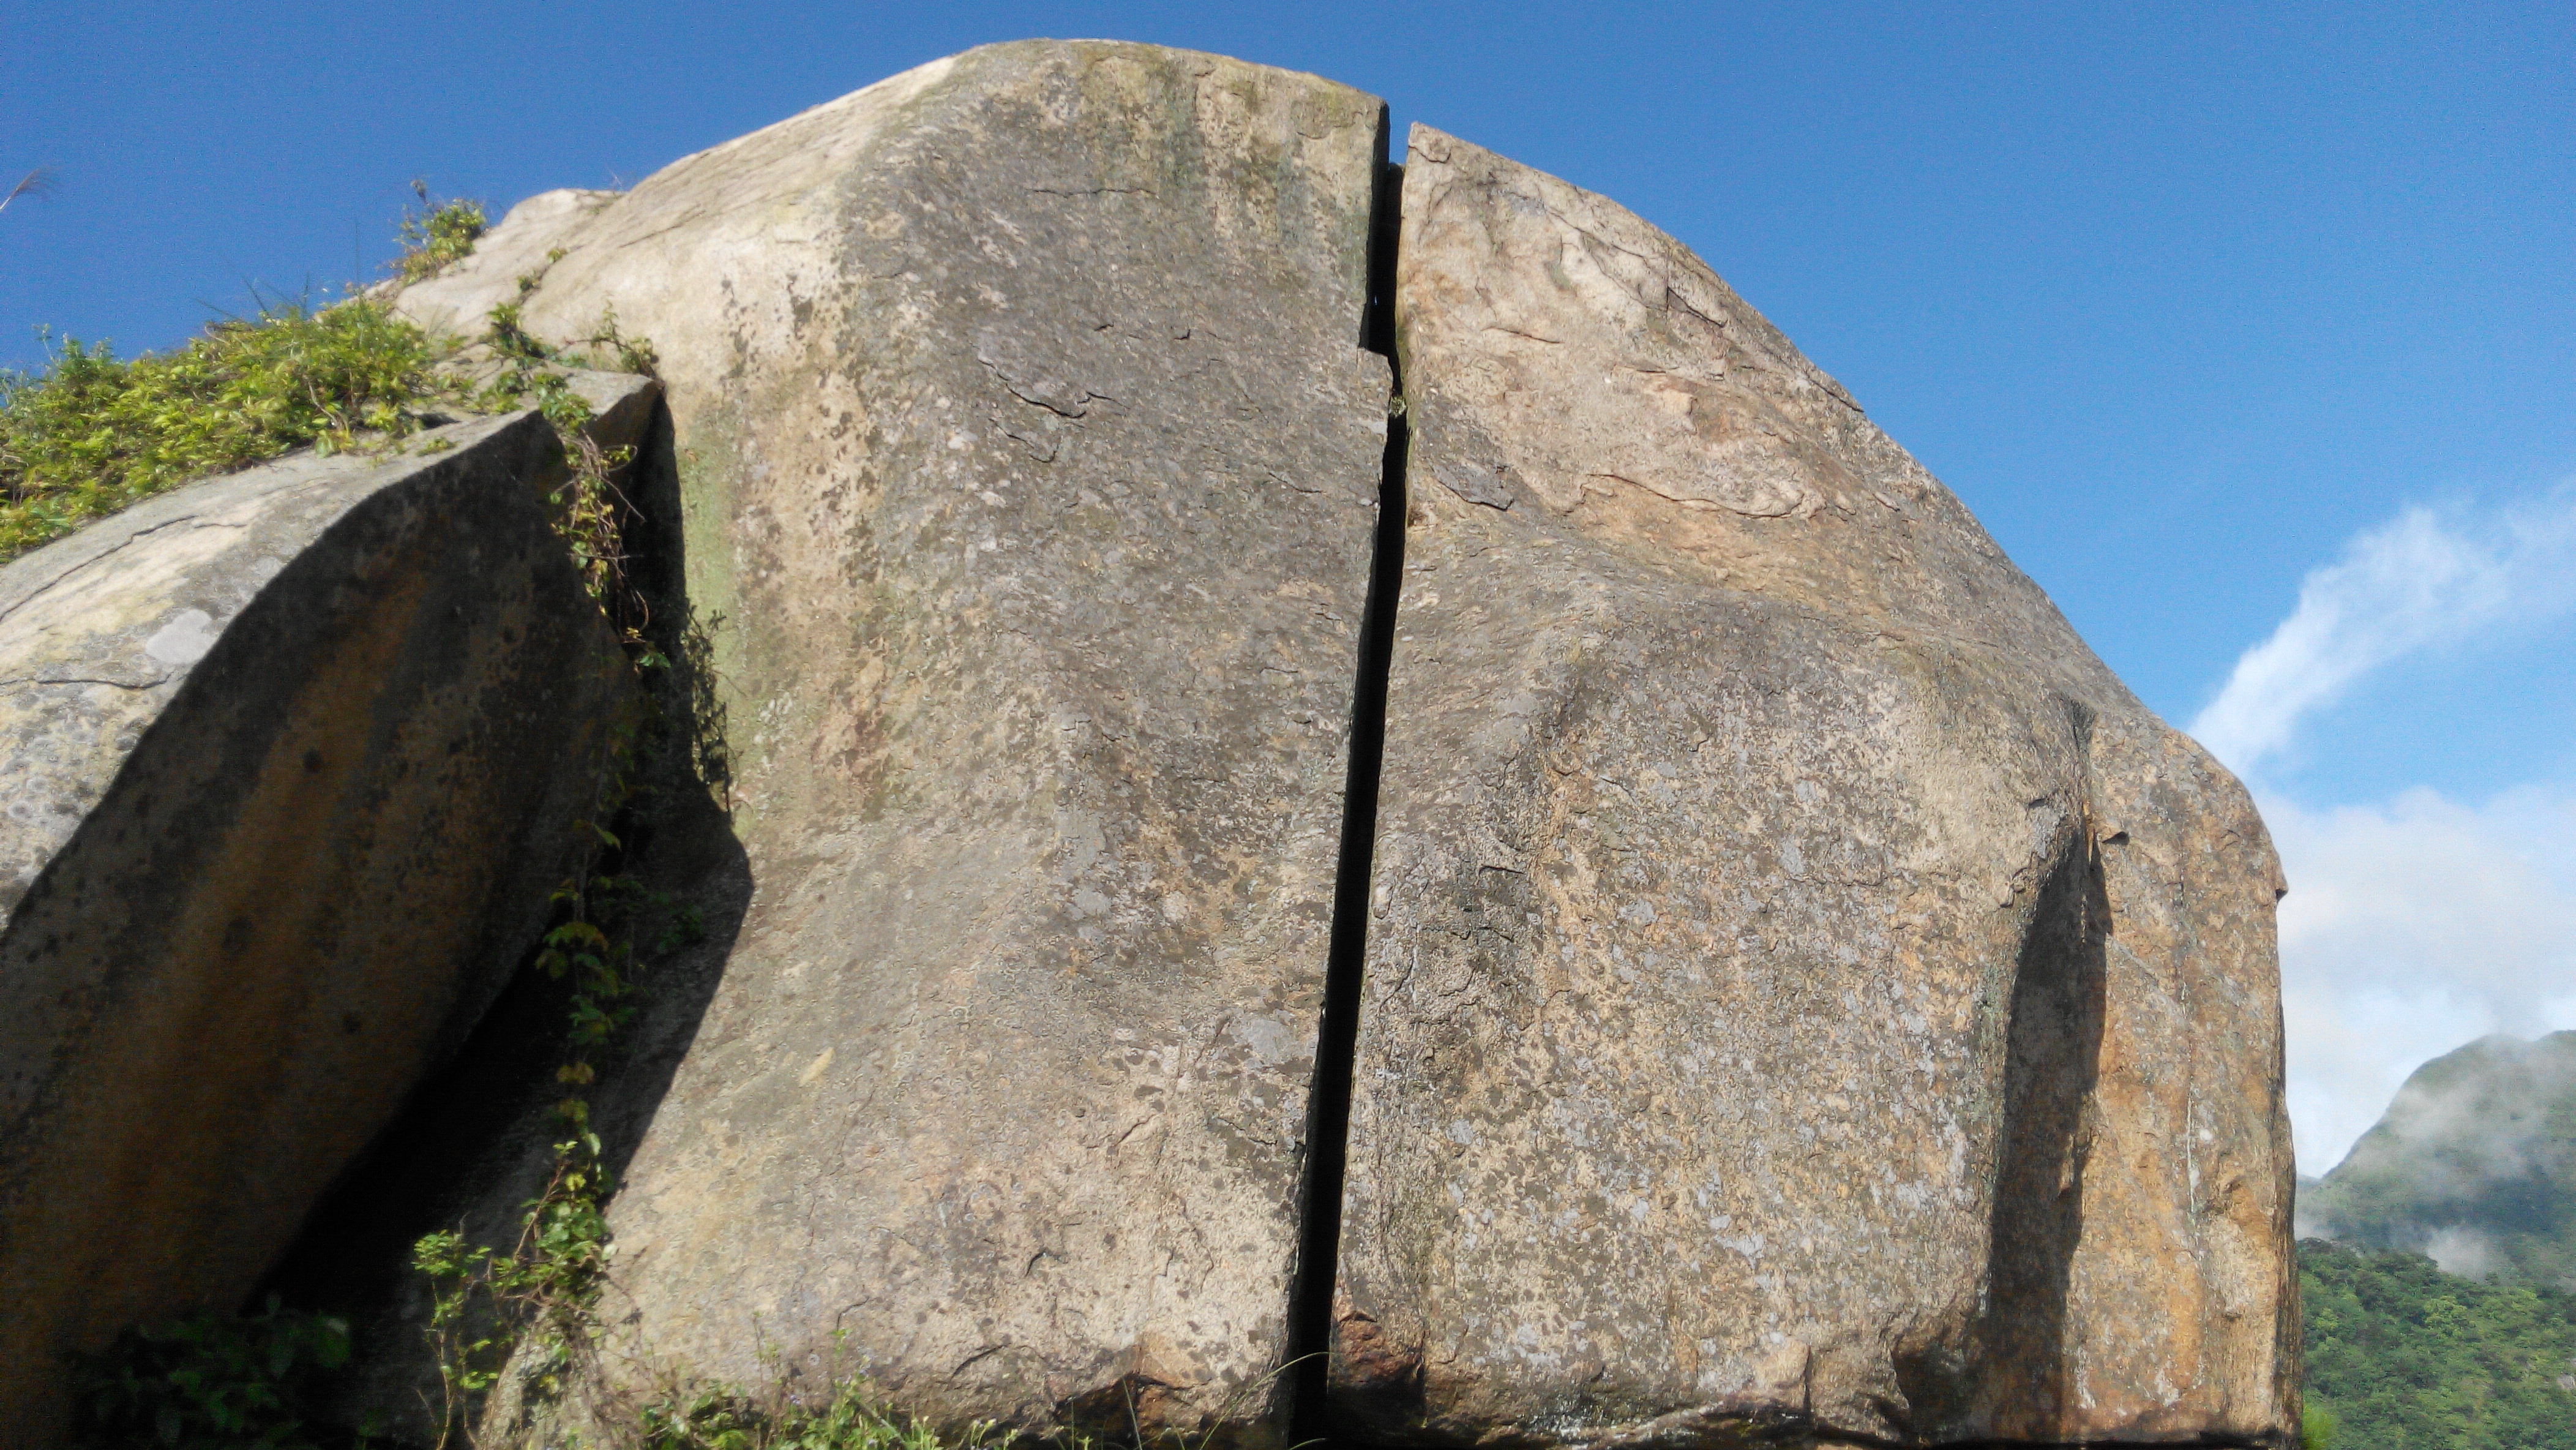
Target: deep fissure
[(1310, 1297)]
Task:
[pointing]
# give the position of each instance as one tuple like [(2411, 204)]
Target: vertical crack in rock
[(1310, 1299)]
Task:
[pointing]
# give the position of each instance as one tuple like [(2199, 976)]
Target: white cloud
[(2411, 927), (2416, 924), (2425, 578)]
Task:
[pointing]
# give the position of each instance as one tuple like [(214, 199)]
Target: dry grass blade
[(38, 182)]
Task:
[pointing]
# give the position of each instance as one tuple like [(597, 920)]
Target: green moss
[(93, 434)]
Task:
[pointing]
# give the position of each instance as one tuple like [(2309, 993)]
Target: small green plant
[(591, 513), (538, 1293), (724, 1418), (93, 434), (212, 1382), (437, 234)]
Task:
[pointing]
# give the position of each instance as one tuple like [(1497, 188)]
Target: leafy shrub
[(212, 1382), (93, 434), (438, 235)]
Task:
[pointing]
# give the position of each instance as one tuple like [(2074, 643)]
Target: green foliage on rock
[(849, 1419), (213, 1382), (531, 1303), (93, 433), (438, 235), (2402, 1356)]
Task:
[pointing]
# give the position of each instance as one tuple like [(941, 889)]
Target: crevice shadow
[(2052, 1063), (1311, 1292), (474, 1142)]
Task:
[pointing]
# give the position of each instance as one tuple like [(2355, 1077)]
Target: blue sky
[(2191, 303)]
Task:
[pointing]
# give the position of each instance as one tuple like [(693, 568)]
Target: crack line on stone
[(1310, 1295)]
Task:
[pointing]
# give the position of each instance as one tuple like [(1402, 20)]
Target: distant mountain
[(2474, 1165)]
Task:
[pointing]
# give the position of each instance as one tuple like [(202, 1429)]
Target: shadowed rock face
[(291, 760), (1806, 992), (1031, 461)]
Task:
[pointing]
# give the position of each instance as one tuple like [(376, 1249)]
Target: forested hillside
[(2402, 1356), (2474, 1164)]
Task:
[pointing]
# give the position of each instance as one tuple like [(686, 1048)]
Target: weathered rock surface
[(290, 761), (1806, 993), (1031, 461), (458, 301)]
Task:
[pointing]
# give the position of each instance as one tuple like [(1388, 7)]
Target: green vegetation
[(591, 514), (2402, 1356), (725, 1419), (2474, 1163), (212, 1382), (438, 234), (539, 1293), (93, 434)]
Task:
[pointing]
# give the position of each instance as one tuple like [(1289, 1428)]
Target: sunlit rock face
[(1806, 992), (1031, 460)]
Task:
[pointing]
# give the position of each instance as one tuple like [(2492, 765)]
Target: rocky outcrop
[(1797, 994), (1030, 461), (1806, 992), (292, 760)]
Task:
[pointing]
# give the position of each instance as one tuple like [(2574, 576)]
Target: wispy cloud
[(2425, 578), (2417, 923)]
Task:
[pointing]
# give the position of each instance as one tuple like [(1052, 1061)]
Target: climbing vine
[(531, 1303), (592, 513)]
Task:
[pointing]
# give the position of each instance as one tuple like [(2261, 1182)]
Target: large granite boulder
[(1030, 461), (1807, 993), (290, 762)]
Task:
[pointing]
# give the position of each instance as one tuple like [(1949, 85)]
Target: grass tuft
[(93, 433), (724, 1419)]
